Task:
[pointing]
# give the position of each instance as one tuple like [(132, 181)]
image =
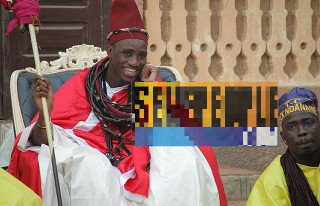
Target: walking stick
[(27, 12), (45, 113)]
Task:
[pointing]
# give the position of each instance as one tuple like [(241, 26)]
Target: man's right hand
[(42, 88)]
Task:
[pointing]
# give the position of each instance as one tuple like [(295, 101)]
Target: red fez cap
[(126, 22)]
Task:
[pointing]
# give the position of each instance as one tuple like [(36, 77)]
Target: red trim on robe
[(25, 167), (138, 160), (208, 153)]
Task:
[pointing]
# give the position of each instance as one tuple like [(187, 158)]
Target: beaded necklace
[(108, 111)]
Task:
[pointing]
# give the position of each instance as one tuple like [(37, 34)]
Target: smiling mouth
[(131, 72)]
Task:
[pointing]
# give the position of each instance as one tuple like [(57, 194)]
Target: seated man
[(293, 178), (97, 161)]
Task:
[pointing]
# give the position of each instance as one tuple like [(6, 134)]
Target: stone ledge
[(6, 142), (237, 182), (237, 203)]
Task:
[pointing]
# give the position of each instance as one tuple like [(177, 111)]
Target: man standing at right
[(293, 178)]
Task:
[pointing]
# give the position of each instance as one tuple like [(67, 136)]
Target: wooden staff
[(28, 18), (45, 113)]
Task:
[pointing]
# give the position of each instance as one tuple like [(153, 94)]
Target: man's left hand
[(149, 73)]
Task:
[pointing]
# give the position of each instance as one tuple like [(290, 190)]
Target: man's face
[(127, 59), (301, 131)]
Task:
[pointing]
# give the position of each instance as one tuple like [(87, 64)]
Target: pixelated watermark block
[(213, 108), (206, 136)]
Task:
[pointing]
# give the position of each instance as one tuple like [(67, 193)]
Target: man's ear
[(110, 51)]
